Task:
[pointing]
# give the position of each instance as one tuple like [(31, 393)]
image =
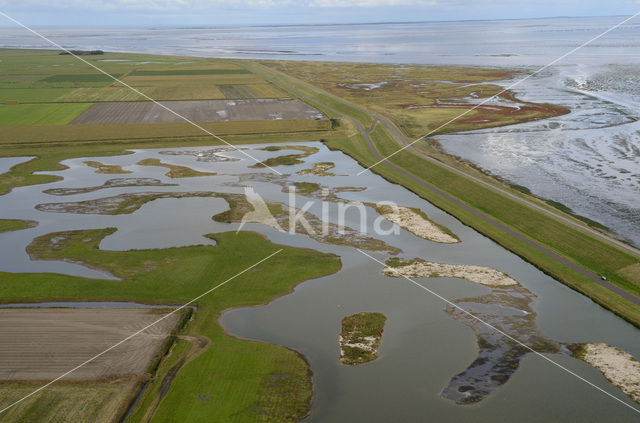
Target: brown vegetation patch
[(175, 171), (360, 337), (107, 169)]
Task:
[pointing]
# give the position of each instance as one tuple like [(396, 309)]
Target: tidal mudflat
[(586, 160), (426, 346)]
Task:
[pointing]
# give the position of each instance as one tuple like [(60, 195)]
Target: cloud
[(371, 3), (156, 5)]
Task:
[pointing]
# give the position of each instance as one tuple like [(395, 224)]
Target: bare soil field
[(198, 111), (72, 401), (46, 343)]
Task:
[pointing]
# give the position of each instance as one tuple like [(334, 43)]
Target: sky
[(145, 13)]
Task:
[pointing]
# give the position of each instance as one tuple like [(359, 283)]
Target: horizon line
[(276, 25)]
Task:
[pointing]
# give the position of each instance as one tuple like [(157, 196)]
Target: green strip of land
[(8, 225)]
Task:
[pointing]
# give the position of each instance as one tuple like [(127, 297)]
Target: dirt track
[(42, 344), (196, 110)]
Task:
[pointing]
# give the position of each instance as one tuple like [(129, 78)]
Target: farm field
[(46, 343), (28, 95), (95, 401), (197, 111), (42, 98), (40, 114)]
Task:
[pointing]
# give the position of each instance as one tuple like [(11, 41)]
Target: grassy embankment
[(566, 241), (230, 379)]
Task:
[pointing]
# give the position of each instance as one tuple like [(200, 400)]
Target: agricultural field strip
[(110, 113), (47, 341), (133, 89), (493, 97), (172, 312), (506, 335)]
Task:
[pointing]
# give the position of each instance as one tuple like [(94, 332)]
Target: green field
[(81, 78), (40, 114), (190, 72), (27, 95)]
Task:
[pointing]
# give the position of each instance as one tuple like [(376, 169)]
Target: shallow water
[(588, 160), (422, 348), (6, 163), (495, 43)]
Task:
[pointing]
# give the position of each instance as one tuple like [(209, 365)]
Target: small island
[(618, 366), (360, 337)]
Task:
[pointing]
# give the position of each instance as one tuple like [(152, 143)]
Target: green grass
[(233, 373), (190, 72), (30, 135), (40, 114), (8, 225), (306, 187), (31, 95), (79, 78), (287, 159)]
